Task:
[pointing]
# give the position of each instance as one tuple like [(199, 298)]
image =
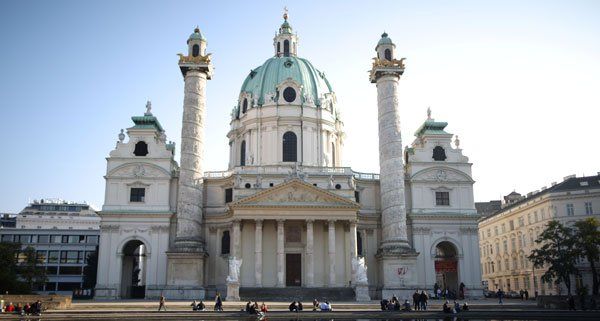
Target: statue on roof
[(428, 113), (148, 109)]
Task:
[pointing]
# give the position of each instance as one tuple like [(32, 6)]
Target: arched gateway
[(446, 266), (133, 271)]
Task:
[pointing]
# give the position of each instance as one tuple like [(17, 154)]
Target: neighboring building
[(286, 209), (63, 234), (507, 237), (8, 220), (485, 209)]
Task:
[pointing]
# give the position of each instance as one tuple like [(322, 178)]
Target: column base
[(185, 277), (233, 291), (362, 292), (104, 292), (398, 268)]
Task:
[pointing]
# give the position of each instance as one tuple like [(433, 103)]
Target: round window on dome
[(289, 94)]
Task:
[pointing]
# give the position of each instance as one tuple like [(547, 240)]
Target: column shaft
[(189, 199), (280, 253), (310, 264), (258, 253), (237, 236), (331, 233)]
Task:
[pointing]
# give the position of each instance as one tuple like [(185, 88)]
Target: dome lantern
[(285, 42), (196, 44), (385, 47)]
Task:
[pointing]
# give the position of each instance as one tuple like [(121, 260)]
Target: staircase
[(290, 294)]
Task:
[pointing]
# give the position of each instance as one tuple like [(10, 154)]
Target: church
[(289, 217)]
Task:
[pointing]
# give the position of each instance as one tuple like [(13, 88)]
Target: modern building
[(507, 237), (8, 220), (288, 214), (63, 234)]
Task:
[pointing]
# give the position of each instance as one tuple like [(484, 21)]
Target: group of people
[(446, 293), (252, 308), (27, 309), (455, 307), (321, 306), (394, 305)]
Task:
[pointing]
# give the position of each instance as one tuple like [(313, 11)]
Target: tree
[(557, 253), (31, 270), (9, 281), (587, 243), (90, 270)]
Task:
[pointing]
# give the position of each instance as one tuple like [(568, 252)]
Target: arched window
[(332, 154), (388, 54), (359, 246), (225, 248), (439, 154), (195, 50), (237, 113), (245, 106), (141, 149), (289, 147), (286, 48), (278, 48), (243, 153)]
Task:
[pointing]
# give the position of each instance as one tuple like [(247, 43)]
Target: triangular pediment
[(295, 193)]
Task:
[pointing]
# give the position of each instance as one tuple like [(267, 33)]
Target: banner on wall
[(445, 266)]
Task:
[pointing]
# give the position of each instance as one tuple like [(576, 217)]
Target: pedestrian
[(438, 294), (218, 302), (571, 302), (522, 294), (161, 303), (416, 297), (500, 294), (423, 300), (315, 304), (461, 291), (526, 295), (200, 306), (436, 287)]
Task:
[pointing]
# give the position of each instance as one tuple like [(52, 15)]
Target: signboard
[(445, 266)]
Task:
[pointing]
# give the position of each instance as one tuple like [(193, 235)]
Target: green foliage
[(32, 270), (9, 280), (556, 253), (587, 243), (90, 270)]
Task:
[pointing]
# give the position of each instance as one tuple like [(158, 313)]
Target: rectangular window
[(44, 239), (489, 233), (41, 256), (495, 230), (137, 194), (588, 208), (516, 280), (521, 221), (503, 228), (505, 244), (228, 195), (357, 196), (570, 210), (7, 237), (93, 239), (511, 224), (52, 256), (70, 270), (497, 248), (24, 239), (52, 270), (513, 244), (442, 198), (73, 239)]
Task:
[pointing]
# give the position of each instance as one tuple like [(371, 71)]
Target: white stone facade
[(309, 222)]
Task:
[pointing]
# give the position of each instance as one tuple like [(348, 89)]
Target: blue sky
[(517, 81)]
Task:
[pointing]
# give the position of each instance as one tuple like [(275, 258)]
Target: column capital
[(258, 221), (331, 222), (280, 221), (310, 220)]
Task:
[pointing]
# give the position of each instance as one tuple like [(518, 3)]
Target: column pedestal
[(399, 274), (185, 277), (361, 292), (233, 291)]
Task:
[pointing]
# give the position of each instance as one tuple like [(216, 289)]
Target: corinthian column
[(280, 253), (331, 251), (258, 253), (310, 263)]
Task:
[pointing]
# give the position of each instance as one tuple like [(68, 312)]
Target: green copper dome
[(196, 35), (385, 40), (264, 79)]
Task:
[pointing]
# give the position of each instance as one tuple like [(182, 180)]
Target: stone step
[(291, 294)]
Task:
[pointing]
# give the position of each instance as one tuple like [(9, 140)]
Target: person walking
[(416, 298), (423, 300), (461, 291), (436, 287), (161, 303), (218, 302), (500, 294)]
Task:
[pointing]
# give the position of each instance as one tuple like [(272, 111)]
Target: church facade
[(287, 214)]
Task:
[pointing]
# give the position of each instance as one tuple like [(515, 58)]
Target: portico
[(312, 232)]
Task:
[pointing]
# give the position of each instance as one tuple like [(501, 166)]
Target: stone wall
[(49, 302)]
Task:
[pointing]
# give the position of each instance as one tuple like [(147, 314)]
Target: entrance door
[(293, 269)]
